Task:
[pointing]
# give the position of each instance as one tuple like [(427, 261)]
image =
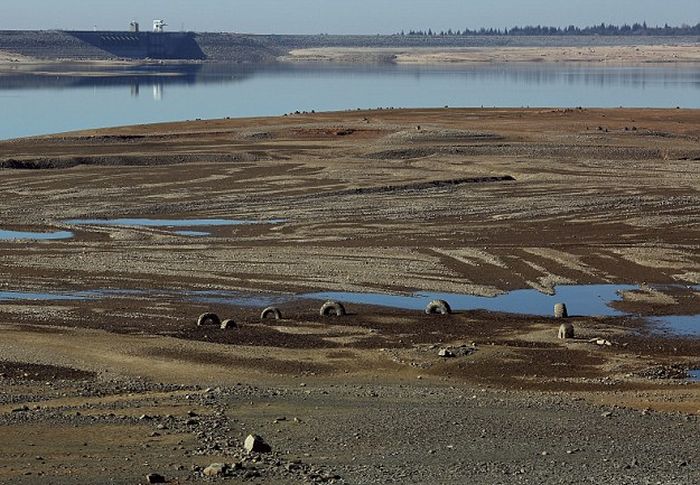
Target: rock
[(216, 470), (255, 444), (566, 331), (155, 478), (607, 414), (446, 353)]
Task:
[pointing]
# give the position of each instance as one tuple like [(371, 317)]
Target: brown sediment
[(477, 201)]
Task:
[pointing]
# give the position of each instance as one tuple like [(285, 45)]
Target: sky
[(338, 16)]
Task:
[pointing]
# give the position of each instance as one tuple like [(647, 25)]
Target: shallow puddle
[(145, 222), (30, 296), (192, 233), (581, 300), (34, 236), (688, 325), (694, 375)]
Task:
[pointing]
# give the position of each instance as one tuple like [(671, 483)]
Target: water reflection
[(100, 96)]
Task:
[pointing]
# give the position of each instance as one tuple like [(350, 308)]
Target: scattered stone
[(447, 353), (255, 444), (155, 478), (216, 470), (566, 331)]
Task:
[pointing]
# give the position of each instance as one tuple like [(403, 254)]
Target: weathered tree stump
[(208, 319), (560, 310), (271, 312), (438, 307), (332, 308)]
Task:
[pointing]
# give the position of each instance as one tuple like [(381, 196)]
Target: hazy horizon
[(341, 17)]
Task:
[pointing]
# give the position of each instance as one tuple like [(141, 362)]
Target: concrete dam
[(99, 45), (143, 45)]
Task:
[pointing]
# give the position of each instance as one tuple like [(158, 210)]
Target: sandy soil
[(643, 54), (458, 200)]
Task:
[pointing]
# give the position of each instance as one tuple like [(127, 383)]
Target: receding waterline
[(35, 296), (581, 300), (688, 325), (193, 233), (34, 236), (146, 222)]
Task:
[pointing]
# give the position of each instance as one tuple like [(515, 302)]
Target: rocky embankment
[(230, 47)]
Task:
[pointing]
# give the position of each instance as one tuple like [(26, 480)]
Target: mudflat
[(616, 55), (118, 381)]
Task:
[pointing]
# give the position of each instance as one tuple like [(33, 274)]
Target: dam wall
[(260, 49), (142, 45), (112, 45)]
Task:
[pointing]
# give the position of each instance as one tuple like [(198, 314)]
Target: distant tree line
[(602, 29)]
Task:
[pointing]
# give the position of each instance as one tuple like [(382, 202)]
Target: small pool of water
[(687, 325), (31, 296), (146, 222), (581, 300), (192, 233), (34, 236), (694, 375)]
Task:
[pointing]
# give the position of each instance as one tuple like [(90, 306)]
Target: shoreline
[(606, 55), (675, 54)]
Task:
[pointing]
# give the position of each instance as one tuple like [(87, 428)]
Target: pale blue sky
[(338, 16)]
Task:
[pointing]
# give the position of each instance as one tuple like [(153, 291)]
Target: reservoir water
[(52, 99)]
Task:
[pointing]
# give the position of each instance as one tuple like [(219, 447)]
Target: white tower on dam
[(159, 25)]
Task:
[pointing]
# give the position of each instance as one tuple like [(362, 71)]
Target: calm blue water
[(679, 324), (694, 375), (580, 300), (193, 233), (34, 236), (32, 105)]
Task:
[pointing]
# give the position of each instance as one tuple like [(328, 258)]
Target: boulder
[(255, 444), (216, 470), (566, 330)]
